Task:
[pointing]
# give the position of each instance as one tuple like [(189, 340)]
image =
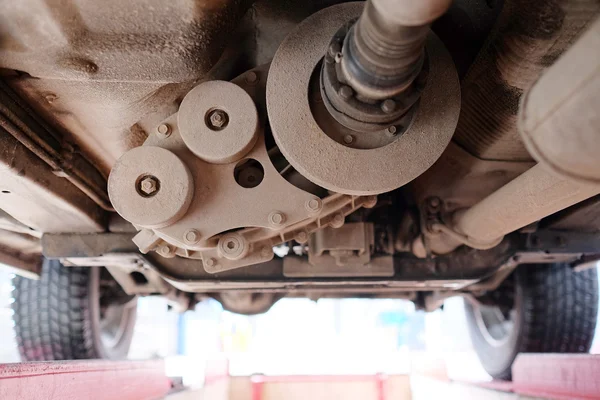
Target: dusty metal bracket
[(349, 245), (228, 223), (299, 267)]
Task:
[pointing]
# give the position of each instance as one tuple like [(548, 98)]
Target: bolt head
[(164, 250), (276, 218), (348, 139), (337, 221), (192, 236), (314, 205), (392, 130), (148, 185), (334, 48), (301, 237), (163, 130), (346, 92), (388, 106), (217, 119), (210, 262), (251, 77)]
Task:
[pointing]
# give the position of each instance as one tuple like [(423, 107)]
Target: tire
[(58, 317), (554, 310)]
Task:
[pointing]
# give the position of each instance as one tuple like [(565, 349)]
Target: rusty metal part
[(559, 117), (335, 166), (21, 253), (462, 180), (456, 271), (530, 197), (268, 213), (20, 121), (93, 70), (583, 217), (528, 37), (299, 267), (27, 181), (348, 245), (383, 52)]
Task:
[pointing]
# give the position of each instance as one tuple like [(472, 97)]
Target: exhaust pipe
[(558, 120)]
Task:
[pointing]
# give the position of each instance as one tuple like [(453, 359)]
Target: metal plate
[(330, 164)]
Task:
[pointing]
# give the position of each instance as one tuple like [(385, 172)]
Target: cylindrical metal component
[(533, 195), (383, 52), (559, 118), (530, 197)]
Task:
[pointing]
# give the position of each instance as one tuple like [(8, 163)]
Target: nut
[(163, 131), (276, 218), (334, 48), (346, 92), (337, 221), (388, 106), (301, 237), (217, 119), (148, 185), (191, 236), (251, 77)]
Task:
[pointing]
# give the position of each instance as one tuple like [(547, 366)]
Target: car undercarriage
[(249, 151)]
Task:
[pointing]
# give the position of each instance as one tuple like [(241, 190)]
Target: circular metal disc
[(175, 187), (235, 139), (333, 165)]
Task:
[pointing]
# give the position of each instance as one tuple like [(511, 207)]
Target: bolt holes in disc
[(248, 173)]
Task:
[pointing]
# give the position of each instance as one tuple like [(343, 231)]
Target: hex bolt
[(164, 251), (348, 139), (301, 237), (346, 92), (251, 77), (337, 221), (276, 218), (233, 246), (210, 262), (148, 186), (163, 131), (388, 106), (191, 236), (314, 205), (217, 119), (334, 48)]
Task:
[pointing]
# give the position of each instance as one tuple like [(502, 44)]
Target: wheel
[(72, 313), (542, 308)]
